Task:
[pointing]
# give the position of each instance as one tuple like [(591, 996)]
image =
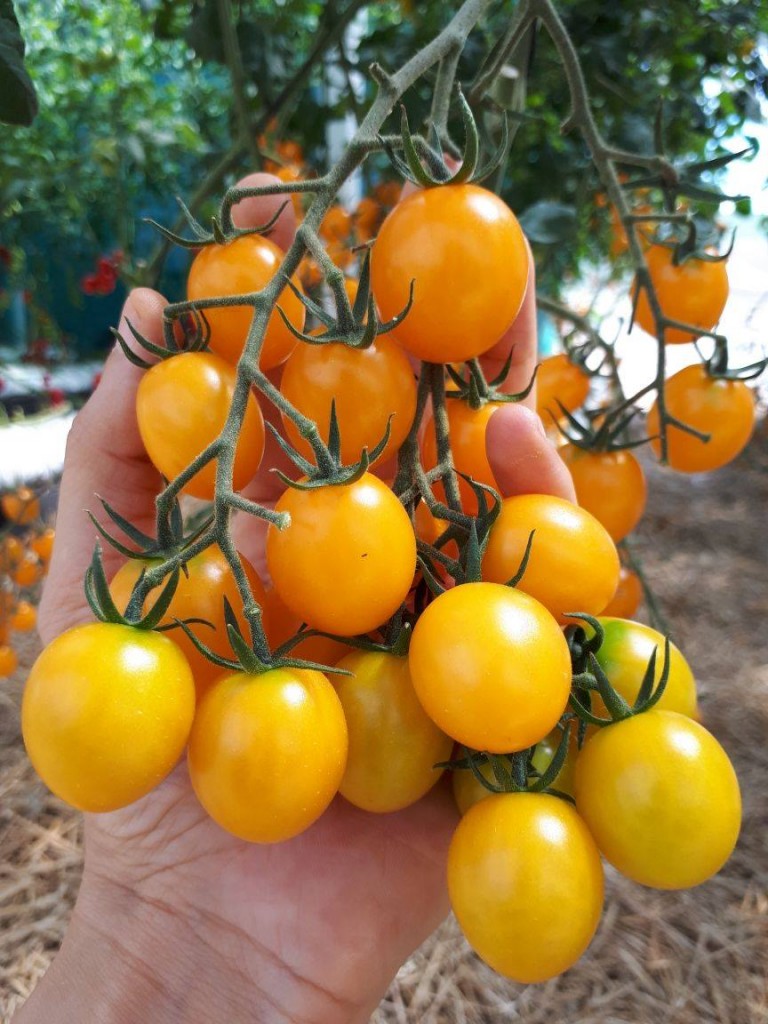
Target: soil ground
[(698, 957)]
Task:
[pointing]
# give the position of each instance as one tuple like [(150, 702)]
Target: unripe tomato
[(573, 564), (628, 596), (368, 385), (182, 405), (21, 507), (560, 381), (199, 594), (106, 714), (610, 485), (347, 561), (42, 545), (724, 409), (490, 666), (694, 293), (661, 798), (624, 655), (246, 264), (267, 753), (466, 254), (280, 624), (526, 884), (8, 661), (466, 429), (393, 744), (24, 617)]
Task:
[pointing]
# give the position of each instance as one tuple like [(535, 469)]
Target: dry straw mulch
[(659, 958)]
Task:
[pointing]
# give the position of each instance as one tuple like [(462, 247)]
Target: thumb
[(523, 459)]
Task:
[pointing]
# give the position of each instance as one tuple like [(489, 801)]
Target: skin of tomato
[(106, 714), (573, 564), (559, 380), (11, 553), (490, 666), (724, 409), (609, 485), (200, 595), (624, 654), (347, 561), (244, 265), (526, 884), (24, 618), (661, 798), (182, 405), (393, 744), (267, 753), (28, 571), (441, 239), (628, 596), (8, 661), (22, 507), (280, 624), (466, 428), (43, 545), (368, 385), (694, 293)]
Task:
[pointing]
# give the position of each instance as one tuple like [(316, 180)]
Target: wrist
[(125, 960)]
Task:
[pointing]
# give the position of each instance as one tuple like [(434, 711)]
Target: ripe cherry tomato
[(368, 386), (336, 225), (42, 545), (573, 564), (526, 884), (24, 618), (28, 571), (628, 596), (200, 595), (661, 798), (106, 714), (346, 562), (490, 666), (11, 553), (560, 381), (624, 655), (267, 753), (694, 293), (466, 429), (280, 624), (464, 250), (182, 405), (247, 264), (610, 485), (393, 744), (21, 507), (8, 661), (724, 409)]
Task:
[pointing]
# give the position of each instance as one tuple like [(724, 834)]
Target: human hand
[(177, 920)]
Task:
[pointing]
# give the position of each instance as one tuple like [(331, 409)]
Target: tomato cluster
[(26, 545), (376, 661)]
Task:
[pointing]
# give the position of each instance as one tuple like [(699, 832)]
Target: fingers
[(251, 212), (523, 459), (104, 456), (520, 340)]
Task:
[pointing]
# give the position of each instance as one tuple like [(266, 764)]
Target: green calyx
[(611, 435), (589, 677), (423, 161), (104, 608), (196, 335), (218, 234), (515, 773), (717, 365), (472, 387), (171, 539)]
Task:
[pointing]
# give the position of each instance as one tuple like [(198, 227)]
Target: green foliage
[(18, 103)]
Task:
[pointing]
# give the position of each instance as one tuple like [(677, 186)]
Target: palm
[(372, 886)]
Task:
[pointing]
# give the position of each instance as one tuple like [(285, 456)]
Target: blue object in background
[(548, 335)]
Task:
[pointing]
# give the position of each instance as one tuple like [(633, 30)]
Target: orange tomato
[(724, 409), (42, 545), (610, 485), (628, 596), (246, 264), (466, 428), (560, 380), (280, 624), (695, 292), (181, 407), (465, 252), (336, 225), (368, 386), (11, 552), (291, 172), (200, 595), (8, 661), (573, 564), (21, 507), (24, 617), (28, 571)]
